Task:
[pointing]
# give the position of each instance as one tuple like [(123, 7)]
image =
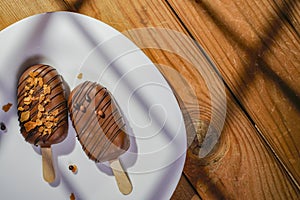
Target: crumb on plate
[(79, 76), (72, 196), (2, 126), (6, 107), (73, 168)]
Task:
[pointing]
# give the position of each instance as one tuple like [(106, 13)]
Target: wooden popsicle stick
[(48, 168), (121, 177)]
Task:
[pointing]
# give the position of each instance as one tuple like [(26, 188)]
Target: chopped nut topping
[(30, 80), (21, 108), (33, 74), (42, 98), (55, 112), (49, 124), (41, 108), (41, 129), (47, 89), (35, 82), (25, 116), (29, 126), (40, 81), (39, 115), (39, 122), (44, 121), (27, 100), (47, 131)]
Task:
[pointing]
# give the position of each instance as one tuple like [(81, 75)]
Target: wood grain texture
[(123, 181), (47, 163), (184, 191), (241, 166), (15, 10), (12, 11), (256, 47)]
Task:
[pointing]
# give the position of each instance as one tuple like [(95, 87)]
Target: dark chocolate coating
[(98, 122), (58, 101)]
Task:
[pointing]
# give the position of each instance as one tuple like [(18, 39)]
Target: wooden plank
[(256, 47), (184, 191), (12, 11), (241, 167)]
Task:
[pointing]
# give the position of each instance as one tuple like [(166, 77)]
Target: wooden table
[(255, 47)]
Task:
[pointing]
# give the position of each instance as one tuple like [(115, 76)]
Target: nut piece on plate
[(6, 107)]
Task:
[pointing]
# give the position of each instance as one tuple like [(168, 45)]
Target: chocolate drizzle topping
[(99, 126), (57, 102)]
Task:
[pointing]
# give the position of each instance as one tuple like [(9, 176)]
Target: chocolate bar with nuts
[(42, 106)]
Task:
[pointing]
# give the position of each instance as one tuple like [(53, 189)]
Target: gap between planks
[(240, 104)]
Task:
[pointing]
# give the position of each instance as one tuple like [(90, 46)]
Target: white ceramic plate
[(73, 44)]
